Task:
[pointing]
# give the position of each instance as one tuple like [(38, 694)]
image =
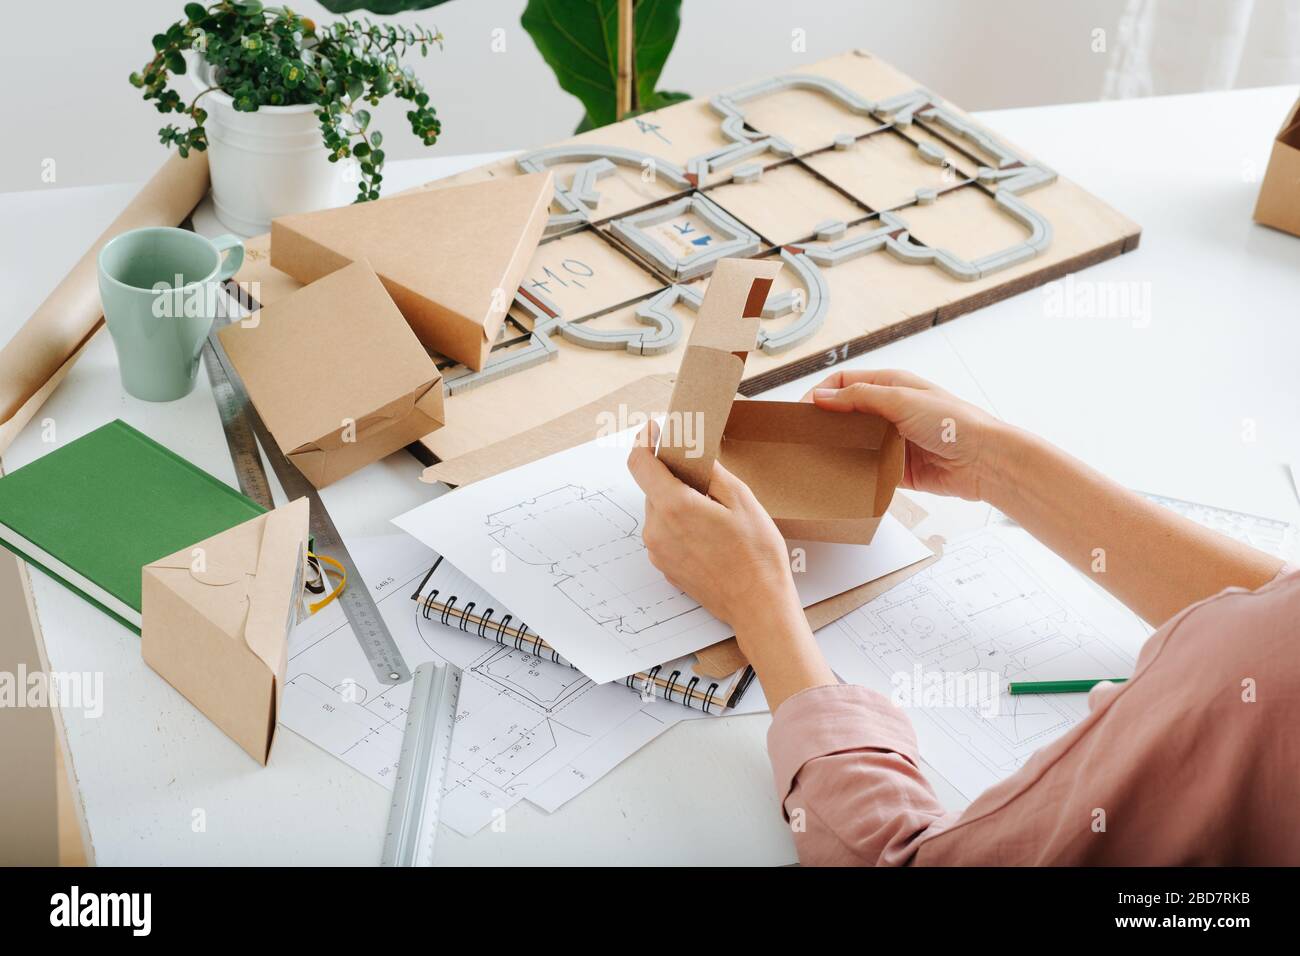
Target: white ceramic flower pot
[(268, 163)]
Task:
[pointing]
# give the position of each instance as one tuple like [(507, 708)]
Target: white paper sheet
[(522, 720), (558, 541), (998, 606)]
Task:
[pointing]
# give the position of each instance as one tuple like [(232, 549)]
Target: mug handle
[(231, 250)]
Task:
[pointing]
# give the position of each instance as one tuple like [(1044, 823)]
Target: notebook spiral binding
[(688, 693)]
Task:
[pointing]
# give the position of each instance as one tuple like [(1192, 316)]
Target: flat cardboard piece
[(217, 617), (337, 375), (633, 403), (1279, 197), (451, 259), (821, 475)]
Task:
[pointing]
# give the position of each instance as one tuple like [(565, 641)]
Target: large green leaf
[(382, 7), (579, 41)]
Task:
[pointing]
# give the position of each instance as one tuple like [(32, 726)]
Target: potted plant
[(282, 105)]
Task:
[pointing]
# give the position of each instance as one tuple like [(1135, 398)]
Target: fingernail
[(823, 393)]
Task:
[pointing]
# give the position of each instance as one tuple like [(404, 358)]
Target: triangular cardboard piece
[(450, 258), (217, 617)]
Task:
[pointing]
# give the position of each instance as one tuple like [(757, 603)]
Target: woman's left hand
[(722, 549)]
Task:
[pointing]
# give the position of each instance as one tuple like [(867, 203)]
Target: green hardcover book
[(93, 513)]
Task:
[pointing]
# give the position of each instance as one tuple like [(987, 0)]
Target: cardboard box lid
[(337, 350), (459, 247)]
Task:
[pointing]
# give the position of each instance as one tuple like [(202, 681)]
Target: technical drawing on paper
[(521, 719), (987, 608), (593, 548)]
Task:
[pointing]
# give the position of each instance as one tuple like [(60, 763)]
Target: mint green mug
[(161, 290)]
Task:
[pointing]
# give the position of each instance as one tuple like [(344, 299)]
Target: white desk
[(1160, 406)]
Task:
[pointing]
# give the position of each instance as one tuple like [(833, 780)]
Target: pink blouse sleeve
[(845, 763)]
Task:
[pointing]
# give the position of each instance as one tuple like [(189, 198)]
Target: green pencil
[(1058, 686)]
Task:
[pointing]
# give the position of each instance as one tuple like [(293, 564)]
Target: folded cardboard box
[(337, 375), (217, 616), (1279, 197), (452, 259), (821, 475)]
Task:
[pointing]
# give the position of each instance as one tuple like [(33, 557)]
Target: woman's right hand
[(953, 448)]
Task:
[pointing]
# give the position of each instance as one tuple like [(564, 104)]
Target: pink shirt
[(1196, 760)]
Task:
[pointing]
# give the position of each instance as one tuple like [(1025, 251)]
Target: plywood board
[(882, 171), (590, 274), (785, 204)]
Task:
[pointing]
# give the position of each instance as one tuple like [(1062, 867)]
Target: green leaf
[(195, 11), (580, 44)]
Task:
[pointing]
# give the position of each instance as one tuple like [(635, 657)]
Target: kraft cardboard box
[(452, 259), (1279, 197), (217, 616), (337, 375), (821, 475)]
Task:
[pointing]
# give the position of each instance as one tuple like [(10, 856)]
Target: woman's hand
[(953, 448), (724, 551)]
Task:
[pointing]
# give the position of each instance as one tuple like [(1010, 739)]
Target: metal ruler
[(422, 767), (240, 422)]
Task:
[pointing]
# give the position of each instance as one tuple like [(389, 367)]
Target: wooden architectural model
[(890, 207)]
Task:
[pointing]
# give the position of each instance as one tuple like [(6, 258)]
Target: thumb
[(728, 490), (883, 400)]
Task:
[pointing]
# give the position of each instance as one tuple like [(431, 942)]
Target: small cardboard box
[(217, 617), (451, 258), (1279, 198), (337, 375), (821, 475)]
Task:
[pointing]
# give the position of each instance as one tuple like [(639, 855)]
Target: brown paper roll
[(43, 350)]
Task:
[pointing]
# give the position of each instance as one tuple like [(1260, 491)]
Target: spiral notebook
[(457, 601)]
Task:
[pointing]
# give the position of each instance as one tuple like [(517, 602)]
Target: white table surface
[(1166, 406)]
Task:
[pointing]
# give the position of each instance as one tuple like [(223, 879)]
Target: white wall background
[(64, 65)]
